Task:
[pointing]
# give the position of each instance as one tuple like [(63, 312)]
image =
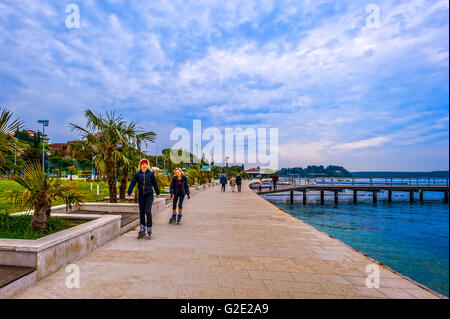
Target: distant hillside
[(434, 174), (315, 171)]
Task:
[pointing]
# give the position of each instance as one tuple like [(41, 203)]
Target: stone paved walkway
[(230, 245)]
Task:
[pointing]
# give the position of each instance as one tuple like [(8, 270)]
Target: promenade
[(230, 245)]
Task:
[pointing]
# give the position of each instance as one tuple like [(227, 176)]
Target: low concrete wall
[(50, 253), (167, 197)]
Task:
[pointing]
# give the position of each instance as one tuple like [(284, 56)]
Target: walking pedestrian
[(179, 188), (239, 182), (223, 182), (275, 181), (233, 184), (146, 181)]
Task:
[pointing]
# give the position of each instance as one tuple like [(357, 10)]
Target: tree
[(41, 191), (71, 169), (23, 136), (227, 171), (192, 175), (110, 138), (169, 166), (126, 169), (8, 143), (132, 150), (84, 164), (60, 163), (33, 151)]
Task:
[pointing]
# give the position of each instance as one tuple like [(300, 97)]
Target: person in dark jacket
[(275, 181), (146, 181), (223, 182), (179, 188), (239, 182)]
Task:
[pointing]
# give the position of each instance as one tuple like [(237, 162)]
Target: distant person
[(223, 182), (275, 181), (260, 184), (179, 188), (239, 182), (146, 181), (233, 184)]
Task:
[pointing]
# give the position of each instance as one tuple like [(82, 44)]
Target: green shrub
[(19, 227)]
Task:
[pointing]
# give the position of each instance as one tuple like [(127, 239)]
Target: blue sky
[(339, 92)]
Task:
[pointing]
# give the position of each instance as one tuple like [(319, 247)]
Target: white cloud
[(370, 142)]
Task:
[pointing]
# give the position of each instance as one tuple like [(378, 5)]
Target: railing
[(298, 181)]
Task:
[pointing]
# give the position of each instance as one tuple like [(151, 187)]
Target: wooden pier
[(374, 189)]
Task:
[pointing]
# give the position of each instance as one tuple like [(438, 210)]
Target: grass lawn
[(19, 227), (8, 206)]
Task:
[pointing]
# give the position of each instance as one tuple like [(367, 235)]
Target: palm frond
[(35, 182), (6, 126), (8, 143)]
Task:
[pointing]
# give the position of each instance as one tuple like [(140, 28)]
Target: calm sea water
[(412, 238)]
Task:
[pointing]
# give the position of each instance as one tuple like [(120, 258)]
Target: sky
[(340, 88)]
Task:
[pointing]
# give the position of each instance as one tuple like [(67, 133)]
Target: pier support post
[(390, 196), (304, 197), (411, 196), (445, 197), (291, 197), (336, 197), (421, 195), (322, 197), (374, 196), (355, 196)]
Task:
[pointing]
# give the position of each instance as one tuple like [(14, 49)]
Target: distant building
[(33, 133), (317, 175), (61, 148), (254, 172)]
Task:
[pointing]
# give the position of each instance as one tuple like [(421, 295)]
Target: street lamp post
[(44, 124), (15, 153), (196, 145), (92, 170)]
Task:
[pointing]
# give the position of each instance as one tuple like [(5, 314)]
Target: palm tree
[(110, 138), (8, 143), (168, 163), (227, 171), (127, 169), (71, 169), (41, 191), (136, 137)]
